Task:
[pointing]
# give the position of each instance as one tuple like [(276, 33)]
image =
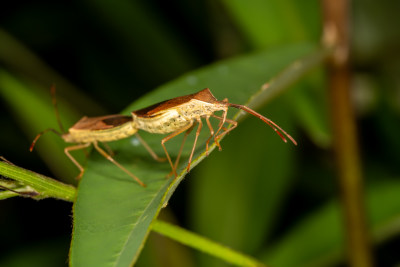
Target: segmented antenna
[(54, 101), (272, 124), (40, 134)]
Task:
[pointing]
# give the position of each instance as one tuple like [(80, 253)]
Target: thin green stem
[(203, 244), (44, 186), (7, 194)]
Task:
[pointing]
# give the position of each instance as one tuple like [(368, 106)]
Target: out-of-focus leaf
[(144, 37), (21, 60), (266, 23), (318, 239), (310, 105), (33, 111), (37, 254), (113, 235)]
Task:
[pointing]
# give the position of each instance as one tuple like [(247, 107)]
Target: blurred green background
[(259, 196)]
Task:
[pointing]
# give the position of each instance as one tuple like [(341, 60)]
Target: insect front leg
[(211, 136), (222, 120), (232, 122)]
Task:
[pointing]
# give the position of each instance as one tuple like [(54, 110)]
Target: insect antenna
[(272, 124), (40, 134), (54, 101)]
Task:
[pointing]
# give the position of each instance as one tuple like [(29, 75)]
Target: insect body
[(102, 129), (175, 114), (181, 114), (88, 131)]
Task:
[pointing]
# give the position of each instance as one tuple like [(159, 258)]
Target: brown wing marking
[(151, 111), (205, 95), (101, 123)]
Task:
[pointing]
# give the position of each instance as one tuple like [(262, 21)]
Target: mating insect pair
[(174, 116)]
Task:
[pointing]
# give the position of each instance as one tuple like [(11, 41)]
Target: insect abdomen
[(106, 135), (167, 122)]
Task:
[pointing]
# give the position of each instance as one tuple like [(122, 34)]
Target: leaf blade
[(102, 179)]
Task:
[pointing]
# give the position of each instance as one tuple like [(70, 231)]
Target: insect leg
[(108, 148), (211, 136), (222, 120), (148, 148), (76, 147), (232, 122), (182, 145), (195, 142), (107, 156), (165, 139)]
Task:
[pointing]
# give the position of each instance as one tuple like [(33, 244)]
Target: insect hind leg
[(148, 148), (107, 156)]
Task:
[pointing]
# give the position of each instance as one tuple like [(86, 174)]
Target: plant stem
[(44, 186), (203, 244), (336, 35), (7, 194)]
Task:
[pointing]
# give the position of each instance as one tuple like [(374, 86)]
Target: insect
[(181, 114), (94, 130)]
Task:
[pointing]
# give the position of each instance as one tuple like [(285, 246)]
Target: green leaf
[(112, 214), (310, 104)]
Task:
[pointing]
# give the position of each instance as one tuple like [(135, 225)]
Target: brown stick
[(336, 35)]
